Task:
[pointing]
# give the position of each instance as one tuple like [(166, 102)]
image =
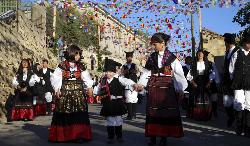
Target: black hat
[(246, 37), (205, 52), (230, 38), (129, 54), (110, 65)]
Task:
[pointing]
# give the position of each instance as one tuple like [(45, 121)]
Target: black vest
[(152, 62), (241, 78), (196, 76), (226, 76), (46, 78), (115, 87), (131, 72), (24, 82)]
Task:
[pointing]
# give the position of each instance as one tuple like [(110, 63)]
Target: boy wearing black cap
[(228, 96), (111, 89), (239, 70), (129, 70)]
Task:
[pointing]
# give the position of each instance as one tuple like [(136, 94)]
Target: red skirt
[(70, 133), (40, 109), (164, 130), (70, 127), (22, 113), (162, 115)]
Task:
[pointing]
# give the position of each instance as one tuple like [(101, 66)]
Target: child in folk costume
[(164, 75), (111, 88), (129, 71), (239, 70), (70, 121), (23, 107)]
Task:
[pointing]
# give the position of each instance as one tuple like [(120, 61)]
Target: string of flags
[(149, 16)]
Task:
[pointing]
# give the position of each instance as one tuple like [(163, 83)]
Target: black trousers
[(114, 131), (132, 110)]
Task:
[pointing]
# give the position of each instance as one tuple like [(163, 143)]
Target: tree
[(243, 17)]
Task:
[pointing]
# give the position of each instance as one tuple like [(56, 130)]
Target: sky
[(215, 18)]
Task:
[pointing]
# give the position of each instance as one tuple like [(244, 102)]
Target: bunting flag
[(177, 1)]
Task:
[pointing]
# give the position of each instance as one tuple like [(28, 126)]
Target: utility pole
[(54, 21), (17, 15), (200, 28), (192, 33)]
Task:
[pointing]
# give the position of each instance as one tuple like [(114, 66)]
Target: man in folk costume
[(166, 80), (111, 88), (228, 96), (239, 70), (129, 70), (48, 89)]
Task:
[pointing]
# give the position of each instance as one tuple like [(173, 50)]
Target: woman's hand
[(194, 84), (90, 92), (58, 94)]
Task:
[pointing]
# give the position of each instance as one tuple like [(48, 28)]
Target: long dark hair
[(20, 73), (71, 52), (20, 69)]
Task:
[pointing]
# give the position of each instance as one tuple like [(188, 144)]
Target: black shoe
[(163, 142), (110, 141), (230, 122), (238, 130), (120, 140), (152, 142)]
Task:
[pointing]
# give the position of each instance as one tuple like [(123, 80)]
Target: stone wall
[(26, 41)]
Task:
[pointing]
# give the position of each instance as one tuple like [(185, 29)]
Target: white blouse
[(124, 82), (214, 75), (180, 82), (34, 78), (56, 78)]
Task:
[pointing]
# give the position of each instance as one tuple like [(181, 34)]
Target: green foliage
[(71, 25), (243, 17)]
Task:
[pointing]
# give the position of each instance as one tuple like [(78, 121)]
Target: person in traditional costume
[(214, 86), (111, 89), (39, 101), (23, 103), (164, 78), (46, 73), (186, 68), (201, 76), (239, 70), (70, 121), (228, 94), (129, 70)]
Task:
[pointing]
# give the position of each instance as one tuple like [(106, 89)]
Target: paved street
[(212, 133)]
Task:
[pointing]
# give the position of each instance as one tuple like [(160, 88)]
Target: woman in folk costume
[(129, 70), (166, 78), (23, 107), (70, 121), (201, 75), (239, 70), (111, 88)]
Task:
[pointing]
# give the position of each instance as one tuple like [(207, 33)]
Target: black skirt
[(115, 107)]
